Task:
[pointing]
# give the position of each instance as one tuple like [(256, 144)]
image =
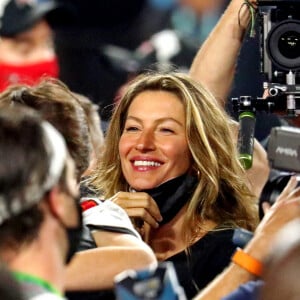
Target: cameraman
[(215, 66)]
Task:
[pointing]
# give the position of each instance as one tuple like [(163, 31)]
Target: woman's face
[(153, 146)]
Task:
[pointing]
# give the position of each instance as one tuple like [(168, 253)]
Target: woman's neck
[(171, 238)]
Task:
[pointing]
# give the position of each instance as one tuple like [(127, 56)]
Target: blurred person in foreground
[(282, 267), (40, 219)]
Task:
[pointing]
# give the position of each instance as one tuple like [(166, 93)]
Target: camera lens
[(289, 44), (272, 189), (283, 45)]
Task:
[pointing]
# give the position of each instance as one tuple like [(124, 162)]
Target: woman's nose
[(145, 142)]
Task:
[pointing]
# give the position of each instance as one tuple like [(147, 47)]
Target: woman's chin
[(140, 185)]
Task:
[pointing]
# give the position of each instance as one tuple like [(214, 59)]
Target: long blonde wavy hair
[(222, 194)]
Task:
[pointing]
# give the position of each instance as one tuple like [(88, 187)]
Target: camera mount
[(281, 98)]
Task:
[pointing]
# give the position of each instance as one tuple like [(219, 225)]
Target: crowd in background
[(120, 147)]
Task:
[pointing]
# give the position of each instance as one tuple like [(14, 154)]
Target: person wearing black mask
[(40, 223)]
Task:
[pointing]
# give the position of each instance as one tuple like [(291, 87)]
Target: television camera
[(280, 50), (279, 34)]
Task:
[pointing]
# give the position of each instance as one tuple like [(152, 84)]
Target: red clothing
[(28, 74)]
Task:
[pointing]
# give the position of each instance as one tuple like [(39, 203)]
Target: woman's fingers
[(139, 205)]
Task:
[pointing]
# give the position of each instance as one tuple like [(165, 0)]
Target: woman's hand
[(140, 207)]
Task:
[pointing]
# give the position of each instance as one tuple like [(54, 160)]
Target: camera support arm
[(290, 90)]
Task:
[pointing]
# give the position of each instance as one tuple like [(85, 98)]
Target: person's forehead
[(162, 104)]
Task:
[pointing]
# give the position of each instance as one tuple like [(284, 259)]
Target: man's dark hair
[(23, 164)]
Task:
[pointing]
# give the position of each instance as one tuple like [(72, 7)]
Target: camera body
[(280, 39), (284, 149), (284, 157)]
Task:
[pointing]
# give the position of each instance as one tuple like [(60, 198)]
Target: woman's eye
[(167, 130), (131, 128)]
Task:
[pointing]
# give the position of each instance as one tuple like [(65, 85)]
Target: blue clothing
[(246, 291)]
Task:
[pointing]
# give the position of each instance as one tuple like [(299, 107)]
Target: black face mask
[(172, 195), (74, 234)]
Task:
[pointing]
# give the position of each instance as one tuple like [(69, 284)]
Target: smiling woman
[(170, 161), (154, 141)]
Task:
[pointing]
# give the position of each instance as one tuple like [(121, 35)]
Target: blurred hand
[(285, 209)]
